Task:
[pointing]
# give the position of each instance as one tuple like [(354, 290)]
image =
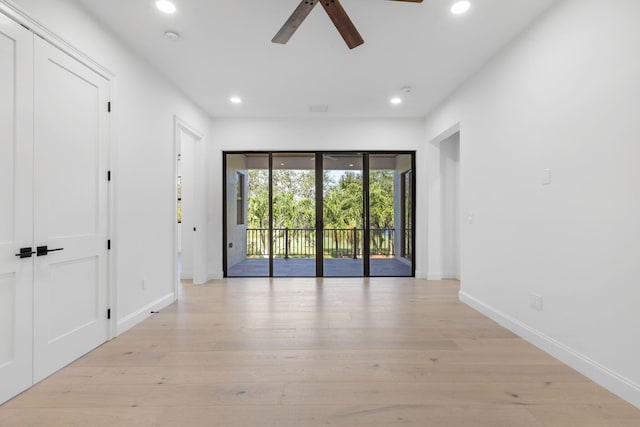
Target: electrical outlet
[(536, 302), (546, 177), (471, 218)]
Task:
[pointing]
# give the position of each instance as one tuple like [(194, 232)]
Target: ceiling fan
[(337, 14)]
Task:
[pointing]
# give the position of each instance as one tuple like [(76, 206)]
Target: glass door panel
[(294, 215), (389, 209), (247, 204), (336, 214), (406, 224), (343, 231)]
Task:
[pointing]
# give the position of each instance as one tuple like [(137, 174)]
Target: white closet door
[(71, 161), (16, 208)]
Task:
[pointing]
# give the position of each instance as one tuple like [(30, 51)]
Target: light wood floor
[(306, 353)]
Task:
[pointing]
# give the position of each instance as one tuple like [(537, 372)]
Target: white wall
[(564, 96), (236, 233), (305, 134), (144, 105)]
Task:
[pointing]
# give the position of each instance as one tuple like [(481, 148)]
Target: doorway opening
[(188, 264), (319, 214), (450, 181)]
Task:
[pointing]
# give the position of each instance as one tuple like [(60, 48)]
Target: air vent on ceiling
[(319, 108)]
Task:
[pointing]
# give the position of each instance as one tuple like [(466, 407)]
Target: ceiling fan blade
[(343, 23), (294, 21)]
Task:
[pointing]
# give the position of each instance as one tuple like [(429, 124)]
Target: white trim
[(215, 276), (113, 210), (112, 205), (13, 11), (434, 205), (179, 125), (612, 381), (420, 275), (138, 316), (452, 130)]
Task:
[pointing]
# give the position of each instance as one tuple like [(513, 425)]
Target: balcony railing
[(337, 242)]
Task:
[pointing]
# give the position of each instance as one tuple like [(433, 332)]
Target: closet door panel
[(71, 162), (16, 208)]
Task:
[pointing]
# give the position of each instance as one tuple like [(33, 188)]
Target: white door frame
[(434, 204), (199, 271)]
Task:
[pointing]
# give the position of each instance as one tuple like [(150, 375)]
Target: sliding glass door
[(294, 215), (389, 207), (343, 215), (334, 214), (247, 215)]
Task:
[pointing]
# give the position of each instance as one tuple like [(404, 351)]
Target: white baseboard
[(138, 316), (612, 381), (215, 276), (420, 275), (186, 276), (434, 276)]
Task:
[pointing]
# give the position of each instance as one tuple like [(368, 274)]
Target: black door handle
[(43, 250), (25, 253)]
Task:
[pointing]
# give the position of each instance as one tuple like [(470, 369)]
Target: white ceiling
[(225, 49)]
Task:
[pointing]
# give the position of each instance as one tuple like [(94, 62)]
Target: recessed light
[(281, 164), (351, 165), (172, 35), (396, 101), (165, 6), (460, 7), (235, 100)]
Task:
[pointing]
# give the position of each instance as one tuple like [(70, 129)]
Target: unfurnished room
[(319, 212)]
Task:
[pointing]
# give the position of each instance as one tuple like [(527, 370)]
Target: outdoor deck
[(333, 267)]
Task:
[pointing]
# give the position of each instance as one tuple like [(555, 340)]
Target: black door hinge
[(109, 244), (109, 107), (108, 313), (108, 175)]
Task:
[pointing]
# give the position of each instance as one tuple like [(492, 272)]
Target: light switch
[(470, 218), (546, 177)]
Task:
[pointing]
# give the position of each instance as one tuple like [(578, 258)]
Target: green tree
[(258, 198), (343, 210), (258, 208), (294, 204), (381, 209)]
